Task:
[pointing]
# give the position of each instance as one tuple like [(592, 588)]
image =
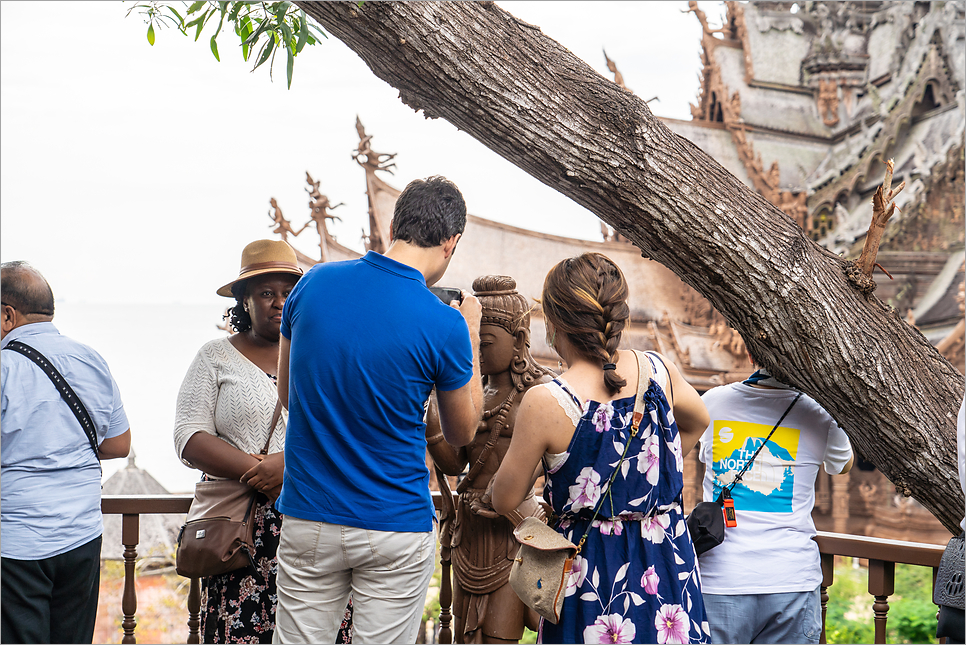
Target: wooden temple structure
[(804, 102)]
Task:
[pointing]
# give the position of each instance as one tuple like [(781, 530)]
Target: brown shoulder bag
[(218, 535)]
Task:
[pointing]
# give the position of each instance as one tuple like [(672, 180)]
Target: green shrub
[(849, 617)]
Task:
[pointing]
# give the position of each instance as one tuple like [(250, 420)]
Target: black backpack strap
[(66, 392)]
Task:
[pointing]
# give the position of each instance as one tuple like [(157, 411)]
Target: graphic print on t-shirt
[(768, 485)]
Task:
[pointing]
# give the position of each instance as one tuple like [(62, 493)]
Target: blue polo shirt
[(50, 486), (369, 342)]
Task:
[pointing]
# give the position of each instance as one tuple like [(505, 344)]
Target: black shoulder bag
[(706, 523), (66, 391)]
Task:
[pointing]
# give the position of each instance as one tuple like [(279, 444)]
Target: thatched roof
[(159, 533)]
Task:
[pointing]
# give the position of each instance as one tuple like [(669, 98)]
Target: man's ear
[(520, 338), (449, 246), (8, 319)]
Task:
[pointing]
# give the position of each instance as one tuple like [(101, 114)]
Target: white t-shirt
[(771, 549)]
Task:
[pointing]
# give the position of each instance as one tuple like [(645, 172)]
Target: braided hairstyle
[(503, 305), (585, 297)]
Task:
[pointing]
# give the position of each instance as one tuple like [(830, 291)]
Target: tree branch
[(532, 101)]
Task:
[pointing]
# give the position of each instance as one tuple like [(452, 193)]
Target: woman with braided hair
[(481, 541), (636, 577)]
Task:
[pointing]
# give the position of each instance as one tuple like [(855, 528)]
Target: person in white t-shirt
[(761, 585)]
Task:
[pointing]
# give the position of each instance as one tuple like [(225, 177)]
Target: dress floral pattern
[(636, 578)]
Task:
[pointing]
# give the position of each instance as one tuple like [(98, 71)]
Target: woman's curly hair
[(586, 298), (237, 317)]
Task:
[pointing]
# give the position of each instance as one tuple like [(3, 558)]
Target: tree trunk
[(528, 98)]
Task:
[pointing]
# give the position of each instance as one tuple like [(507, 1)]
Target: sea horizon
[(148, 348)]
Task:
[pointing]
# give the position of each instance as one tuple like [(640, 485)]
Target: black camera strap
[(748, 464), (66, 391)]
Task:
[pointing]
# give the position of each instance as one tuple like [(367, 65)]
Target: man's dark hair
[(428, 212), (23, 291)]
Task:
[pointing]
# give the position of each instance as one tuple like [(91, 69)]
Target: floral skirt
[(239, 606)]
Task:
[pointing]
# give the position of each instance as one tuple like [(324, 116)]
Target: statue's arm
[(449, 459)]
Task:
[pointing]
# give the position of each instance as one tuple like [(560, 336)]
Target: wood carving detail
[(828, 101), (320, 207), (932, 71), (716, 103)]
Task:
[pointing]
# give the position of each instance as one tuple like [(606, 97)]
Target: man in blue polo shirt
[(51, 521), (363, 344)]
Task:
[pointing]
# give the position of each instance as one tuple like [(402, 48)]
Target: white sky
[(133, 173)]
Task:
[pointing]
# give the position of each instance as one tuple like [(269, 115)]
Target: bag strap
[(738, 477), (271, 427), (66, 391), (636, 419)]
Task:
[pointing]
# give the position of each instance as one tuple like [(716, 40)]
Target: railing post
[(882, 580), (828, 572), (194, 611), (130, 527), (445, 599)]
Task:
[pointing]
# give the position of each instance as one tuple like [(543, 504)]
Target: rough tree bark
[(528, 98)]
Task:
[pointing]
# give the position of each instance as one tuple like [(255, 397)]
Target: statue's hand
[(484, 505)]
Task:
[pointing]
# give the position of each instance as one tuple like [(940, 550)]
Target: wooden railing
[(881, 554), (130, 508)]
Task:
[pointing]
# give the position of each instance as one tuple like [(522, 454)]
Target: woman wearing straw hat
[(222, 421)]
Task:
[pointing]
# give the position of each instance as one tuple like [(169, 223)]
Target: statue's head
[(505, 330)]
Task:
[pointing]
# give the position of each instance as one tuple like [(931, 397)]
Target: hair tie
[(610, 366)]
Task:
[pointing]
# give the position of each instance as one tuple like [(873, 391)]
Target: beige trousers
[(320, 564)]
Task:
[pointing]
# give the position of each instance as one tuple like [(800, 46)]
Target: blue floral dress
[(636, 578)]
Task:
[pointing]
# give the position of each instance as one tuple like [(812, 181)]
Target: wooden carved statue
[(479, 541), (320, 206), (612, 66), (282, 226)]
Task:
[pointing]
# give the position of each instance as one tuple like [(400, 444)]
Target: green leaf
[(177, 15), (195, 6), (290, 65), (263, 25), (267, 50), (233, 15), (214, 49), (201, 25), (151, 34), (221, 20), (319, 31), (246, 31), (286, 34), (303, 32), (281, 9)]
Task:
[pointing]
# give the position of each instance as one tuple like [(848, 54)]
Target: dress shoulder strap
[(662, 376), (567, 400)]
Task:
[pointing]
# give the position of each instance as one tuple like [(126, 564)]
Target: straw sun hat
[(264, 256)]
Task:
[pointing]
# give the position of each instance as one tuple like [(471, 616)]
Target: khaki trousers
[(320, 564)]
